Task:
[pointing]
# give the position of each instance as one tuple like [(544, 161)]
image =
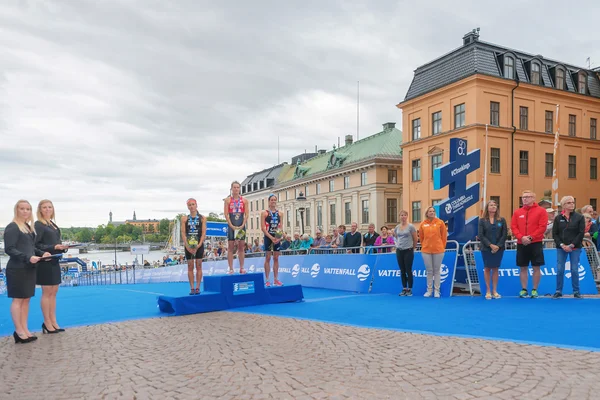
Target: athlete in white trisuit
[(236, 214), (271, 222), (193, 233)]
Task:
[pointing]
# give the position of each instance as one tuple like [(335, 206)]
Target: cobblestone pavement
[(244, 356)]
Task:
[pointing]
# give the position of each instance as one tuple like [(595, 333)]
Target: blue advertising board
[(216, 229), (509, 281), (349, 272)]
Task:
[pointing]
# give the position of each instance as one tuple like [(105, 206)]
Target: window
[(307, 216), (523, 118), (346, 182), (306, 190), (509, 67), (523, 162), (549, 165), (332, 214), (416, 128), (560, 78), (263, 204), (392, 176), (582, 83), (416, 211), (495, 160), (459, 115), (347, 214), (520, 202), (494, 113), (416, 170), (392, 210), (286, 194), (549, 122), (287, 218), (319, 215), (318, 189), (496, 199), (436, 123), (331, 186), (363, 178), (593, 203), (251, 223), (257, 224), (535, 73), (256, 205), (593, 127), (436, 161), (572, 125), (365, 211), (297, 218), (593, 168), (251, 204), (572, 166)]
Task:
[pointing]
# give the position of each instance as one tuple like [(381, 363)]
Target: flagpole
[(555, 160)]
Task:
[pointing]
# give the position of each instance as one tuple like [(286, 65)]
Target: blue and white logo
[(252, 269), (444, 273), (211, 270), (314, 271), (363, 272), (295, 270), (581, 271), (448, 208), (461, 149), (224, 229)]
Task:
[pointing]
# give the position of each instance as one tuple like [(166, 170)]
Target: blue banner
[(350, 272), (216, 229), (387, 274), (509, 281)]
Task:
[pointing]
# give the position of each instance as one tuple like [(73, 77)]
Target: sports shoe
[(427, 294), (277, 282), (577, 295), (268, 284), (403, 292), (534, 294), (523, 293), (437, 295), (557, 295), (408, 292)]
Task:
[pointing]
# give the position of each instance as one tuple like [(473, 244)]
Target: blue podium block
[(284, 294), (204, 302)]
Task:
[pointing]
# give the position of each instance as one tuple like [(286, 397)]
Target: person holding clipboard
[(48, 239), (19, 244), (193, 233)]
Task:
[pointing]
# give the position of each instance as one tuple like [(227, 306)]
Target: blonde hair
[(40, 217), (23, 226), (531, 192), (430, 208), (565, 199)]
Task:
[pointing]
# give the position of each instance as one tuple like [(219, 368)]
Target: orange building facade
[(516, 96)]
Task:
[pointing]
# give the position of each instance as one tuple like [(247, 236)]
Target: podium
[(222, 292)]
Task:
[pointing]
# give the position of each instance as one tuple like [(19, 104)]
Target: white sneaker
[(437, 294), (427, 294)]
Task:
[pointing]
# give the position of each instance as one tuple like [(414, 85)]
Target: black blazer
[(47, 237), (495, 233), (19, 246)]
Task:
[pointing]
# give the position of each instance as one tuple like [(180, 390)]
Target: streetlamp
[(301, 199)]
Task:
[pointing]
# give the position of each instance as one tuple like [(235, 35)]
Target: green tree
[(136, 233), (164, 226), (84, 235), (214, 217), (99, 233)]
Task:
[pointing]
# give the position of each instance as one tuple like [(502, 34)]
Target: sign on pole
[(140, 249)]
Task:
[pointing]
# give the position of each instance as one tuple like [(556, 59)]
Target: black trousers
[(405, 262)]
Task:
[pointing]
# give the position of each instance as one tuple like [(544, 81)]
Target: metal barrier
[(469, 256)]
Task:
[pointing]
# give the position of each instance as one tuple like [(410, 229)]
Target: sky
[(138, 105)]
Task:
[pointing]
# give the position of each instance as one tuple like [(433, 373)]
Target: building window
[(392, 210), (365, 211), (319, 216), (549, 165), (251, 204), (331, 186), (494, 113), (347, 214), (593, 203), (297, 218), (346, 182), (435, 201), (593, 168), (416, 211), (306, 190), (436, 123), (307, 217), (287, 218), (523, 118), (495, 160), (459, 116), (436, 161), (263, 204), (392, 176), (332, 214), (535, 73), (523, 162), (572, 125), (496, 199), (257, 224), (363, 178), (582, 83), (520, 202), (318, 189), (416, 128), (572, 166), (593, 127), (251, 223), (509, 67), (560, 79), (549, 122), (416, 170)]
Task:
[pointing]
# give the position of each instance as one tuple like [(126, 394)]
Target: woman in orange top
[(433, 235)]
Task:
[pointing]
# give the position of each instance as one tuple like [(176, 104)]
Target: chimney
[(348, 139), (388, 126), (471, 37)]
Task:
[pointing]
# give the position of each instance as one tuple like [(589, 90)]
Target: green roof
[(383, 144)]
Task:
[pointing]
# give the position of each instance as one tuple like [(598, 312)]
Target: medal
[(237, 217)]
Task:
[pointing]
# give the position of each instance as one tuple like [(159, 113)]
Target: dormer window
[(560, 78), (535, 73), (582, 83), (509, 67)]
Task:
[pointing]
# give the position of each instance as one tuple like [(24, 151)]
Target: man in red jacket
[(528, 225)]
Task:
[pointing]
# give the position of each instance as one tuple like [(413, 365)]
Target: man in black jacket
[(568, 230)]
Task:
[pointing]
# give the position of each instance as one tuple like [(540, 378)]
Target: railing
[(469, 256)]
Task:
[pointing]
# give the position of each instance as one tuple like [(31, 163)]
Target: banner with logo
[(350, 272), (216, 229), (509, 281), (386, 278)]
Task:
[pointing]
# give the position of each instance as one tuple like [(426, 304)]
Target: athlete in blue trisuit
[(193, 233), (236, 214), (271, 222)]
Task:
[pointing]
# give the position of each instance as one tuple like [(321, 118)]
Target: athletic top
[(272, 221), (193, 229), (236, 211)]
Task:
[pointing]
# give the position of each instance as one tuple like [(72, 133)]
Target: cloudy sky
[(139, 104)]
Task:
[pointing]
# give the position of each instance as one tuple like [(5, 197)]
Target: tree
[(163, 226), (136, 233), (214, 217), (84, 235)]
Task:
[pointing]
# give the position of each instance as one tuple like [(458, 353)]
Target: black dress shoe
[(58, 329), (19, 339), (46, 330)]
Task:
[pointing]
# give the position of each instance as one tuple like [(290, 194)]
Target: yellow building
[(147, 225), (516, 95)]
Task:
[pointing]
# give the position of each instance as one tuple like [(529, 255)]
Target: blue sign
[(460, 196), (243, 288), (387, 274), (509, 281), (216, 229)]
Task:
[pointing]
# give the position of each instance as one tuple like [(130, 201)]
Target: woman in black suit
[(19, 244), (48, 275), (492, 234)]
